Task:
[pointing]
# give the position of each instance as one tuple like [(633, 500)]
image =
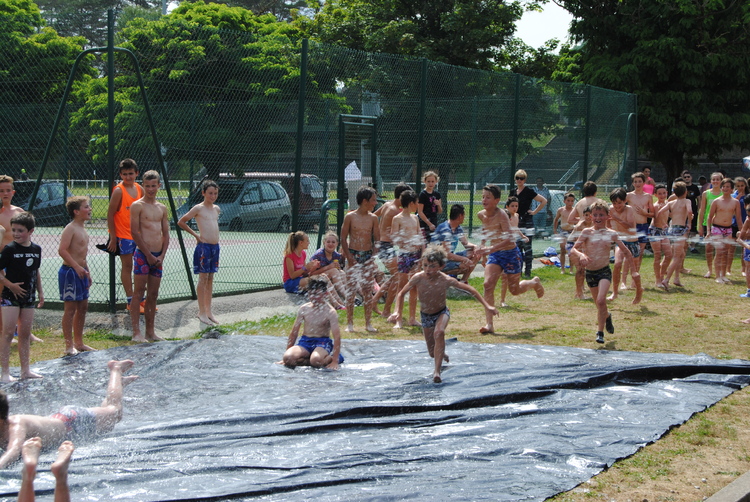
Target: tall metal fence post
[(588, 134), (374, 155), (111, 140), (473, 161), (300, 136), (516, 123), (420, 133), (340, 184)]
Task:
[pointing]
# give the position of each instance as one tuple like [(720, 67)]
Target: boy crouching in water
[(315, 347), (592, 251), (432, 286)]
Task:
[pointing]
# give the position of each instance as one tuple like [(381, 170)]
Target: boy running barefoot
[(358, 233), (589, 197), (118, 223), (206, 255), (592, 251), (681, 215), (315, 348), (565, 227), (720, 217), (69, 421), (622, 219), (408, 237), (74, 279), (150, 229), (580, 276), (20, 260), (504, 256), (642, 204), (659, 236), (432, 285)]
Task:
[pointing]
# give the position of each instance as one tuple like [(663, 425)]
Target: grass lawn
[(690, 462)]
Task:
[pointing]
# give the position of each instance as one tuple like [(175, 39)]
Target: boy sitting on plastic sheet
[(315, 347)]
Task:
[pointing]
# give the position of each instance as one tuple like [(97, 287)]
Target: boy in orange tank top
[(118, 222)]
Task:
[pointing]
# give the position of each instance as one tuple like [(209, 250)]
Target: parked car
[(312, 194), (253, 206), (49, 207)]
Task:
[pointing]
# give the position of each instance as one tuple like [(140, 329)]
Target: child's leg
[(720, 253), (69, 312), (709, 255), (152, 294), (666, 248), (438, 337), (296, 356), (10, 318), (367, 278), (658, 274), (563, 253), (208, 298), (25, 320), (401, 279), (320, 358), (503, 290), (491, 275), (126, 274), (140, 282), (79, 321), (110, 411), (616, 274), (30, 455), (599, 294), (201, 287), (413, 299), (352, 281), (728, 257), (518, 287), (60, 470)]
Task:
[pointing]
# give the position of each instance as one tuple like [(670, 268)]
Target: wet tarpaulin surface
[(218, 420)]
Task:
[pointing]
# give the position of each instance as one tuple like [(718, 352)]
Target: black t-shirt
[(429, 206), (20, 264), (524, 204), (693, 192)]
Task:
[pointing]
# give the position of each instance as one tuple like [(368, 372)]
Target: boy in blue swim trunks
[(315, 347), (150, 229), (503, 254), (206, 255), (432, 285), (622, 220), (407, 235), (73, 277), (69, 422)]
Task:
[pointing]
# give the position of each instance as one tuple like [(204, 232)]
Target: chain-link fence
[(227, 105)]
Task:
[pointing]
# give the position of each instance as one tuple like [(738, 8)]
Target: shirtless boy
[(643, 207), (408, 237), (206, 255), (118, 222), (681, 218), (315, 347), (73, 277), (150, 230), (432, 285), (622, 220), (504, 256), (704, 229), (658, 234), (592, 250), (386, 251), (580, 276), (69, 421), (565, 227), (720, 217), (450, 233), (589, 197), (358, 233)]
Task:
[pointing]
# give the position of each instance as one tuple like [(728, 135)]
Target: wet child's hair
[(317, 284), (659, 186), (638, 175), (25, 219), (493, 189), (150, 175), (293, 241), (430, 173), (365, 193), (601, 205), (589, 189), (618, 194), (126, 164), (400, 188), (74, 204), (456, 211), (679, 188), (408, 197), (4, 178), (569, 194), (727, 180), (331, 233), (435, 254), (208, 184), (511, 200)]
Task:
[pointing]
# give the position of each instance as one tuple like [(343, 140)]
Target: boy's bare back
[(681, 212), (406, 233), (387, 213)]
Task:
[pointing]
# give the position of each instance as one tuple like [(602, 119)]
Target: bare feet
[(638, 296), (660, 285), (623, 286), (436, 378), (154, 338), (398, 324), (503, 304), (8, 379), (486, 330), (371, 328), (216, 322), (70, 352), (138, 338), (60, 467), (414, 322), (665, 285), (707, 275), (612, 297), (446, 358), (129, 379), (746, 321), (205, 320), (30, 455), (677, 283), (350, 328), (35, 339), (85, 348), (538, 287), (686, 270), (30, 374)]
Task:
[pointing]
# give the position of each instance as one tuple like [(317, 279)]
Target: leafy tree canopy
[(469, 33), (687, 60), (281, 9)]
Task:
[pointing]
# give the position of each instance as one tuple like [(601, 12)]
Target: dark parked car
[(253, 206), (312, 195), (49, 206)]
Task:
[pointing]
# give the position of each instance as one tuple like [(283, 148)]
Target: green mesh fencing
[(226, 105)]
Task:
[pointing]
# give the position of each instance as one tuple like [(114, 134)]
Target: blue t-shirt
[(320, 255), (444, 233)]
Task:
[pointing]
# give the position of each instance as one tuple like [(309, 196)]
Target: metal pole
[(473, 161), (516, 126), (374, 155), (340, 186), (420, 133), (588, 132), (111, 139), (300, 136)]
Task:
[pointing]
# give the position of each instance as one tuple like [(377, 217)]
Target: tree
[(282, 9), (468, 33), (531, 62), (687, 60)]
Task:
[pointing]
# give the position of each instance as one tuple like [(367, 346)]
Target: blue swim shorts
[(72, 288), (206, 258), (641, 229), (634, 248), (127, 246), (453, 265), (509, 260), (141, 266), (310, 344)]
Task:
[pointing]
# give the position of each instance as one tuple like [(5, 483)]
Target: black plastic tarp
[(217, 419)]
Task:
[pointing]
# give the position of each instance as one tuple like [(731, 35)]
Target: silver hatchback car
[(248, 206)]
